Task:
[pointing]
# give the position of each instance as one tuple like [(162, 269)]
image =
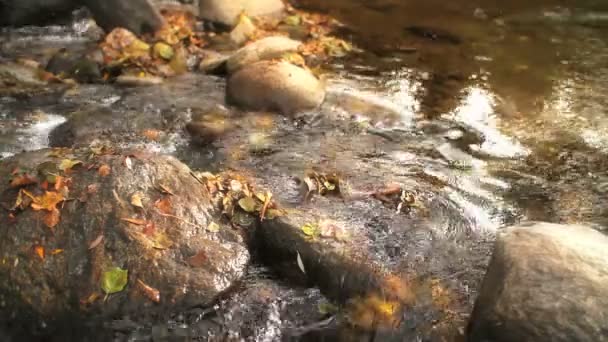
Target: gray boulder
[(545, 282), (37, 12), (147, 215), (227, 12), (137, 16), (277, 86), (263, 49)]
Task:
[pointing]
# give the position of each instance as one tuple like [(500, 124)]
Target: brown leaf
[(48, 201), (148, 291), (137, 222), (164, 189), (56, 251), (164, 205), (161, 241), (152, 134), (197, 260), (149, 229), (51, 219), (104, 170), (23, 180), (90, 299), (96, 242)]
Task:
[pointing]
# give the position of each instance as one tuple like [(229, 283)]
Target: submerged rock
[(263, 49), (227, 12), (278, 86), (545, 282), (79, 67), (146, 215)]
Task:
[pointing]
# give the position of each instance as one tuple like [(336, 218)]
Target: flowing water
[(490, 112)]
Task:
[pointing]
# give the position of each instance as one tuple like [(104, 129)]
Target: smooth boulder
[(263, 49), (227, 12), (137, 16), (275, 86), (545, 282), (143, 213)]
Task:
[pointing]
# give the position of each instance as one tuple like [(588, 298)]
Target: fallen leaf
[(152, 134), (300, 263), (56, 251), (268, 197), (67, 164), (22, 201), (310, 229), (48, 201), (271, 214), (39, 250), (51, 219), (114, 280), (104, 170), (96, 242), (136, 200), (197, 260), (90, 299), (23, 180), (164, 205), (163, 50), (137, 222), (164, 189), (160, 241), (128, 163), (148, 291), (248, 204), (213, 227), (149, 229)]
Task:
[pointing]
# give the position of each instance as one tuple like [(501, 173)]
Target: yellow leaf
[(213, 227), (163, 50), (136, 200), (310, 229), (67, 164), (248, 204)]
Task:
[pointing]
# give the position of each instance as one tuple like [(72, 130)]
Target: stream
[(489, 114)]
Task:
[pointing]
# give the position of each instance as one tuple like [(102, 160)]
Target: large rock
[(147, 215), (33, 12), (277, 86), (227, 12), (137, 16), (546, 282), (263, 49)]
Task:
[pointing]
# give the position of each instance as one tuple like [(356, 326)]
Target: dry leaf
[(67, 164), (148, 291), (96, 242), (128, 163), (90, 299), (137, 222), (149, 229), (213, 227), (48, 201), (104, 170), (152, 134), (164, 189), (136, 200), (300, 263), (39, 250), (160, 241), (51, 219), (197, 260), (56, 251), (164, 205), (23, 180)]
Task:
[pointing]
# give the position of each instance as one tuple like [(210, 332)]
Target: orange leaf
[(137, 222), (57, 251), (104, 170), (197, 260), (164, 205), (96, 242), (151, 134), (148, 291), (48, 201), (39, 250), (149, 229), (51, 219), (23, 180), (45, 185)]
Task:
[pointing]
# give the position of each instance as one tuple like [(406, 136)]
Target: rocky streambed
[(352, 193)]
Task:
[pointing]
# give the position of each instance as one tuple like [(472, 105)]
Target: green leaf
[(164, 51), (310, 229), (114, 280), (248, 204)]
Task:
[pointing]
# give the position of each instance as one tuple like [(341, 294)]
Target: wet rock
[(34, 12), (207, 127), (148, 216), (242, 31), (17, 73), (79, 67), (137, 16), (263, 49), (545, 282), (277, 86), (213, 62), (136, 80), (227, 12)]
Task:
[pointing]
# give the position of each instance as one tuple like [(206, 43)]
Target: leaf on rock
[(160, 241), (39, 250), (300, 263), (164, 205), (128, 163), (152, 134), (136, 200), (48, 201), (310, 229), (104, 170), (165, 190), (148, 291), (114, 280), (96, 242), (213, 227), (52, 218), (56, 251), (137, 222), (23, 180), (197, 260), (248, 204), (67, 164), (149, 229), (163, 50)]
